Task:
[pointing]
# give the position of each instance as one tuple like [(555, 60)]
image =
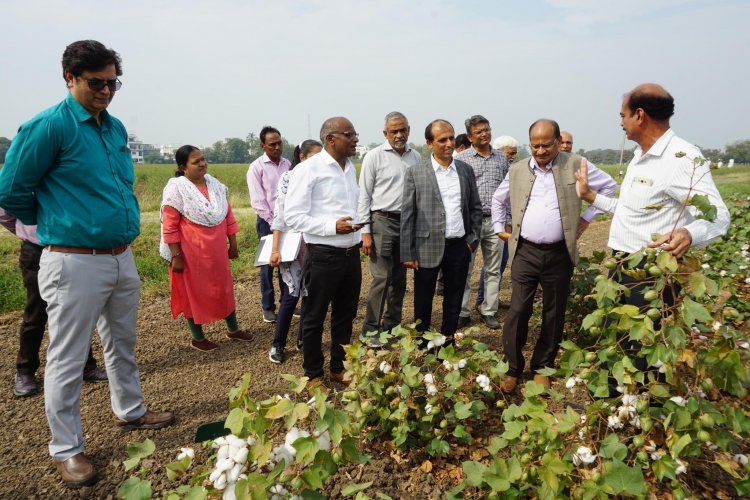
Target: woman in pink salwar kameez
[(197, 223)]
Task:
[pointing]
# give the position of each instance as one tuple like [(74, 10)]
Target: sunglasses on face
[(97, 84)]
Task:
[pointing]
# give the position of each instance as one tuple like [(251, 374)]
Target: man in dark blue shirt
[(69, 170)]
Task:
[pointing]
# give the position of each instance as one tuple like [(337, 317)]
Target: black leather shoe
[(463, 321), (76, 471), (25, 385)]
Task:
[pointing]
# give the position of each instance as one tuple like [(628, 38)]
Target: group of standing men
[(69, 170)]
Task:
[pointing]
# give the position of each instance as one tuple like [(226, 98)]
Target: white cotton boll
[(447, 364), (215, 475), (324, 440), (747, 281), (656, 455), (740, 459), (278, 489), (429, 379), (620, 389), (440, 340), (219, 442), (717, 325), (681, 468), (221, 482), (461, 363), (428, 408), (229, 493), (614, 422), (234, 473), (629, 399), (430, 345), (486, 388), (233, 450), (722, 273), (743, 344), (282, 452), (482, 380), (431, 390), (585, 455), (385, 367), (635, 421), (706, 266), (250, 440), (678, 400), (224, 464), (745, 247), (235, 441), (186, 452), (241, 456), (459, 336), (223, 452), (570, 383)]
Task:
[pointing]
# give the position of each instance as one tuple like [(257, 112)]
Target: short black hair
[(473, 121), (267, 130), (428, 131), (181, 157), (552, 122), (658, 107), (462, 140), (89, 55)]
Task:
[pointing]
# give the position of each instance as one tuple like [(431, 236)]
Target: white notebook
[(288, 247)]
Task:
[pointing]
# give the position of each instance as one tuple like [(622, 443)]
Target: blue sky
[(196, 72)]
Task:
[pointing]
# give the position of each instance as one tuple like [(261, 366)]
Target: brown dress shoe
[(542, 379), (76, 471), (149, 420), (508, 385), (316, 383), (240, 335), (339, 377)]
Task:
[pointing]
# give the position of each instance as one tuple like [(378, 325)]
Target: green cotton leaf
[(313, 476), (707, 209), (141, 450), (513, 429), (666, 260), (351, 489), (261, 450), (680, 445), (196, 493), (460, 433), (627, 310), (454, 379), (463, 410), (438, 447), (131, 463), (175, 470), (235, 421), (474, 472), (296, 384), (410, 374), (664, 467), (306, 448), (625, 480), (654, 206), (697, 285), (498, 475), (533, 389), (634, 259), (496, 444), (282, 408), (660, 391), (611, 447), (135, 489), (692, 312), (351, 453)]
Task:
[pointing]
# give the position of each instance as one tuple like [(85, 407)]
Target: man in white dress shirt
[(381, 184), (321, 203)]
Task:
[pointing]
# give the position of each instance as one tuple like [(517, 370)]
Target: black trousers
[(333, 276), (35, 313), (552, 268), (455, 268)]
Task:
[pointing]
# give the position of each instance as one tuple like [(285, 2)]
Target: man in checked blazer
[(441, 217)]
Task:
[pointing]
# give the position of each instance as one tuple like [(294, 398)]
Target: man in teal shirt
[(69, 171)]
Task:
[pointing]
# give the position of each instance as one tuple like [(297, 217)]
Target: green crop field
[(150, 180)]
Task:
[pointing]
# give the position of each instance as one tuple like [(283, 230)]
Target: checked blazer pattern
[(423, 213)]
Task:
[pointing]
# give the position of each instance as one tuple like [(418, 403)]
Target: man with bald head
[(566, 142), (321, 203), (546, 222)]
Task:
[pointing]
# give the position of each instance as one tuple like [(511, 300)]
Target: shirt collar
[(81, 114), (330, 160), (661, 144), (534, 165), (266, 159), (436, 165)]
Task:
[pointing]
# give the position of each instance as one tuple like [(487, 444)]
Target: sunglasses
[(97, 84)]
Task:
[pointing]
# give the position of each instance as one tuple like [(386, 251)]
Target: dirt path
[(191, 383)]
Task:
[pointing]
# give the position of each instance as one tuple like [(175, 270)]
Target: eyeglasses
[(543, 146), (348, 134), (97, 84), (485, 130)]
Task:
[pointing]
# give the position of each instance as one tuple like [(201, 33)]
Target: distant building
[(167, 151), (362, 151), (136, 148)]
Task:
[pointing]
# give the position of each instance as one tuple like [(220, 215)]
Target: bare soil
[(195, 385)]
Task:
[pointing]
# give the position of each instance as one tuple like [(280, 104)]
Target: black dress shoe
[(463, 321), (25, 385), (76, 471)]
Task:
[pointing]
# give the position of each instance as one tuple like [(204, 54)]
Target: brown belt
[(89, 251), (544, 246)]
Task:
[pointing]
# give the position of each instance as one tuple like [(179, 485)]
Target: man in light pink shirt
[(546, 223), (262, 181)]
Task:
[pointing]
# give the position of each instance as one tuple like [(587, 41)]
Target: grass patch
[(12, 291)]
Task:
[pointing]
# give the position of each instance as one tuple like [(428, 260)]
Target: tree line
[(237, 150)]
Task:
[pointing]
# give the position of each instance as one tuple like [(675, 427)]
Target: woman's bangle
[(274, 251)]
